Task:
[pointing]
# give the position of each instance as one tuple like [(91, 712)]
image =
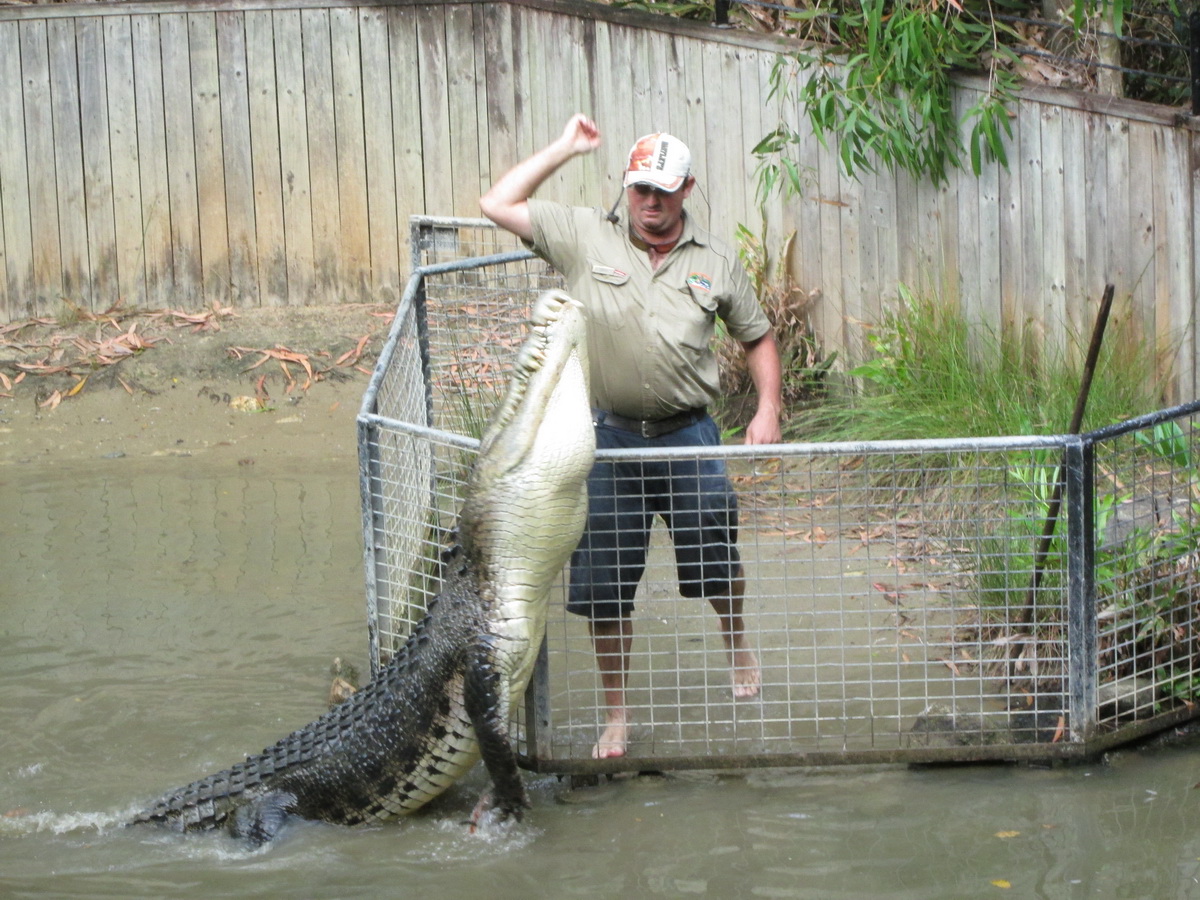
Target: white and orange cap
[(660, 160)]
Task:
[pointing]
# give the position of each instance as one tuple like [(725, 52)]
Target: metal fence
[(890, 594)]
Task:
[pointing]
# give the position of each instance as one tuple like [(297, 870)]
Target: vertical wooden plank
[(351, 155), (1095, 213), (39, 143), (435, 110), (558, 89), (266, 155), (689, 94), (497, 35), (1012, 260), (962, 191), (480, 52), (238, 157), (1033, 285), (1160, 192), (927, 235), (617, 124), (829, 201), (1144, 246), (807, 256), (988, 298), (186, 251), (1190, 387), (849, 223), (741, 173), (294, 156), (587, 174), (97, 162), (210, 157), (908, 261), (780, 223), (126, 162), (1054, 242), (658, 71), (1076, 184), (873, 210), (1180, 251), (322, 153), (609, 162), (1112, 145), (723, 146), (523, 94), (386, 245), (406, 111), (1175, 312), (16, 243), (152, 159), (543, 76), (68, 162), (641, 111), (463, 103)]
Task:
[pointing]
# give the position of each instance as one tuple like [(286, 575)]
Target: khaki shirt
[(649, 330)]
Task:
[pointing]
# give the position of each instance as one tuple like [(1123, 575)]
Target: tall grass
[(931, 374)]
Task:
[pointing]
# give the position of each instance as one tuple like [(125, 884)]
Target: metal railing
[(888, 597)]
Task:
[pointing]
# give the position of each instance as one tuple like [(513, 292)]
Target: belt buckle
[(645, 429)]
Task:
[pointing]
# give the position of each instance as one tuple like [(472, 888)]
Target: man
[(653, 285)]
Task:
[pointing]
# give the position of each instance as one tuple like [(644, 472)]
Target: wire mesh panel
[(1147, 519), (883, 585), (896, 602)]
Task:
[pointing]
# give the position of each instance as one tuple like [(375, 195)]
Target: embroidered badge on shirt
[(699, 280)]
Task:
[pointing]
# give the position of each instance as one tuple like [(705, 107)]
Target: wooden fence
[(268, 152)]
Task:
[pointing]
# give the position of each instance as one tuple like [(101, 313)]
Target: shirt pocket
[(608, 301), (608, 275), (697, 323)]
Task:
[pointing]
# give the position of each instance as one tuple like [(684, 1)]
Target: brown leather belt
[(650, 428)]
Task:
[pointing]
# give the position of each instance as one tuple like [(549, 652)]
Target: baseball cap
[(659, 159)]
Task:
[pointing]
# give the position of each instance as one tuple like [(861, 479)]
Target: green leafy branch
[(887, 95)]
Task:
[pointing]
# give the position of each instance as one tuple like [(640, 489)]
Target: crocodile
[(443, 700)]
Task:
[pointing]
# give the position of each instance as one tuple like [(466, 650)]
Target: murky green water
[(160, 618)]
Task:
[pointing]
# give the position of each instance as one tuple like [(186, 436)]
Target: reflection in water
[(161, 619)]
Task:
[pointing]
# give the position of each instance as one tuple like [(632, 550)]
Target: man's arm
[(762, 361), (507, 201)]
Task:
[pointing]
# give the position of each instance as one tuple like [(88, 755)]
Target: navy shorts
[(694, 499)]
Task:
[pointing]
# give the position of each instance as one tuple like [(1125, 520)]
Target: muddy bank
[(241, 388)]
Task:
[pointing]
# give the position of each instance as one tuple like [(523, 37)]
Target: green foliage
[(886, 96), (788, 308), (929, 374)]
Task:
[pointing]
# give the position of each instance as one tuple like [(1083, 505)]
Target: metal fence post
[(372, 516), (1081, 588), (537, 711), (721, 13)]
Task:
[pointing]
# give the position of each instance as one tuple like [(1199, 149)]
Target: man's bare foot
[(612, 741), (747, 677)]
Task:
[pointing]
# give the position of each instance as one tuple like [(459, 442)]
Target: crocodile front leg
[(485, 699)]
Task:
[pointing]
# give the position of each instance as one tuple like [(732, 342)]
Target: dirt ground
[(242, 385)]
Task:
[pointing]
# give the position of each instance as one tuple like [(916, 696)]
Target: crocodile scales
[(444, 699)]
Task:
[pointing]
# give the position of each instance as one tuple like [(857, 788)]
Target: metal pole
[(1081, 590), (721, 17)]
